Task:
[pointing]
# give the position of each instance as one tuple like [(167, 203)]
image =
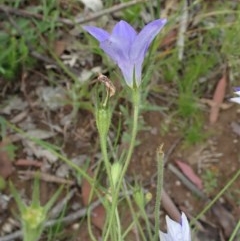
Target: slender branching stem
[(103, 144), (136, 104)]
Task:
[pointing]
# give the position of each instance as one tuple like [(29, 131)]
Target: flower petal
[(144, 39), (125, 47), (125, 32), (97, 33), (164, 236), (114, 49), (127, 69), (174, 229), (118, 45), (138, 71), (177, 231), (237, 90), (185, 228), (235, 99)]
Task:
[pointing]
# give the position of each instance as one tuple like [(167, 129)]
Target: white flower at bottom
[(176, 231), (237, 92)]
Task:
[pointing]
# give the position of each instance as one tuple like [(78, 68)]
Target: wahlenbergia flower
[(176, 231), (237, 92), (127, 47)]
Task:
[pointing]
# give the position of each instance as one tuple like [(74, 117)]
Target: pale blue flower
[(237, 92), (176, 231), (126, 47)]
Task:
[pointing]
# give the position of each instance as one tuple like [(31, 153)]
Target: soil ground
[(219, 153)]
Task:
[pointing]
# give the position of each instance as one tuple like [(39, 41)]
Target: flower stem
[(160, 167), (118, 225), (136, 104), (103, 145)]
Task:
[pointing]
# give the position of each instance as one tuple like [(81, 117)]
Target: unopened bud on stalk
[(140, 198), (103, 120), (116, 169)]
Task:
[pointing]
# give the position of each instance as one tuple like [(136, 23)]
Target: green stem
[(216, 197), (235, 231), (89, 224), (103, 145), (136, 104), (31, 234), (160, 166), (118, 225), (146, 219), (136, 217), (110, 222)]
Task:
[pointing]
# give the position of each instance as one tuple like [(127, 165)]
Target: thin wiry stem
[(136, 104), (160, 167)]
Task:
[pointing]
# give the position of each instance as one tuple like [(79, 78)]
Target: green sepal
[(103, 120)]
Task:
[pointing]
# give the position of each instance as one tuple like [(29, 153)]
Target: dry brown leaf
[(86, 189), (189, 172), (27, 162), (169, 205), (98, 214), (5, 159), (28, 175), (218, 98), (59, 47), (223, 106)]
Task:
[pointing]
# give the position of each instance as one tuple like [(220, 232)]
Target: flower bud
[(139, 198), (103, 120), (116, 169), (148, 197)]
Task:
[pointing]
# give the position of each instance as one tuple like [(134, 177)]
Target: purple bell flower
[(176, 231), (126, 47)]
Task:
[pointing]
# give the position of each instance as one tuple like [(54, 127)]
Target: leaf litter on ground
[(218, 98), (6, 159)]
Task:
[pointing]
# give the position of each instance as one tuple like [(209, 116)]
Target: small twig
[(186, 182), (75, 21), (28, 162), (45, 177), (103, 12), (182, 30), (57, 209), (94, 16)]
